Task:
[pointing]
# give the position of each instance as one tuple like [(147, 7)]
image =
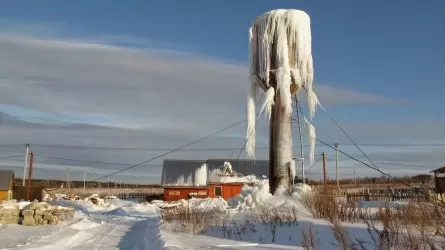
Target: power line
[(313, 165), (94, 162), (12, 156), (172, 151), (210, 149), (374, 167)]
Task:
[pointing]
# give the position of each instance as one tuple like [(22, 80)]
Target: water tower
[(280, 66)]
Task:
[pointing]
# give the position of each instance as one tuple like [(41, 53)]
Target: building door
[(218, 191)]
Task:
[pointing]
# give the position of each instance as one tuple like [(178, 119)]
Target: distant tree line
[(88, 184), (424, 179)]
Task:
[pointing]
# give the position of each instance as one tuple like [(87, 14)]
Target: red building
[(183, 179)]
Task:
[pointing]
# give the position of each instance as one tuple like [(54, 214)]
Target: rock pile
[(42, 214), (9, 213)]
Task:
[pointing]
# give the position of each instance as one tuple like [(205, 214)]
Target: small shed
[(183, 179), (227, 177), (6, 184), (439, 180)]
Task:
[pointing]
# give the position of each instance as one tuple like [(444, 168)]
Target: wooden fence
[(145, 196), (389, 194), (21, 193)]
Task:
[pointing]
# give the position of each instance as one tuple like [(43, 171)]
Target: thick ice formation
[(201, 175), (289, 31), (258, 195), (251, 196)]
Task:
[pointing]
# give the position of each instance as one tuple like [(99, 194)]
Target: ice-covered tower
[(280, 65)]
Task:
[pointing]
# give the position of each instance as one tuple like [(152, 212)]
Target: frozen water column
[(280, 65)]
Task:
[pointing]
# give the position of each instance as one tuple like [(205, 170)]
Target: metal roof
[(5, 179), (439, 170), (180, 172), (241, 166)]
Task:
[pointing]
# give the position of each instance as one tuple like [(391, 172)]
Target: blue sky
[(392, 48), (379, 68)]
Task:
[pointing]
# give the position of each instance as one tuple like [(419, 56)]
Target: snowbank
[(251, 196), (96, 200), (258, 195)]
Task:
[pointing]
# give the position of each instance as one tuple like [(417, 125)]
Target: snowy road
[(123, 225)]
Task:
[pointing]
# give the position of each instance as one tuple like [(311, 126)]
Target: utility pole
[(108, 180), (68, 185), (324, 172), (26, 164), (84, 179), (336, 168), (30, 176), (355, 180)]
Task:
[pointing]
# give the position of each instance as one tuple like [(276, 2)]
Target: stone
[(40, 211), (28, 212), (39, 221), (38, 217), (54, 220), (9, 221), (29, 222), (48, 217)]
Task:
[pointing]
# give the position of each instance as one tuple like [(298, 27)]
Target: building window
[(218, 191)]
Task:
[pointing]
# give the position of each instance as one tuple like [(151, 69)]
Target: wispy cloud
[(96, 92)]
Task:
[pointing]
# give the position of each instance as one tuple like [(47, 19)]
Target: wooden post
[(336, 167), (31, 159), (26, 164), (324, 173)]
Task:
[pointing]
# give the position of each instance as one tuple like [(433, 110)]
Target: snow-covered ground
[(119, 224)]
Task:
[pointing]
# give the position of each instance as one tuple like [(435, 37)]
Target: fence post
[(30, 176)]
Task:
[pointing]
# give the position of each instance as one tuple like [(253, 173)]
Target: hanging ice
[(279, 43), (311, 138), (201, 175), (268, 102)]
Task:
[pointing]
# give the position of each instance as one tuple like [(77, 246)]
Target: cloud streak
[(84, 93)]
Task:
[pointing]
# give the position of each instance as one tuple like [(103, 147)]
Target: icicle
[(311, 138), (201, 175), (250, 136), (268, 102), (312, 102), (251, 103)]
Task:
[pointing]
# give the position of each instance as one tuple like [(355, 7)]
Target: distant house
[(183, 179), (439, 180), (6, 184)]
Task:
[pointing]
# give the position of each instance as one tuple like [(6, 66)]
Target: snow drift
[(258, 195)]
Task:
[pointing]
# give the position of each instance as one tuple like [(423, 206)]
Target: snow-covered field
[(119, 224)]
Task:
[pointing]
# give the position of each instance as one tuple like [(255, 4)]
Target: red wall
[(228, 190), (177, 193)]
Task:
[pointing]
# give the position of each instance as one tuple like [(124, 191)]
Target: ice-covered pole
[(280, 65)]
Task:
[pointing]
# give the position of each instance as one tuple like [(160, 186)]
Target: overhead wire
[(92, 162), (313, 165), (211, 149), (362, 162), (11, 156)]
